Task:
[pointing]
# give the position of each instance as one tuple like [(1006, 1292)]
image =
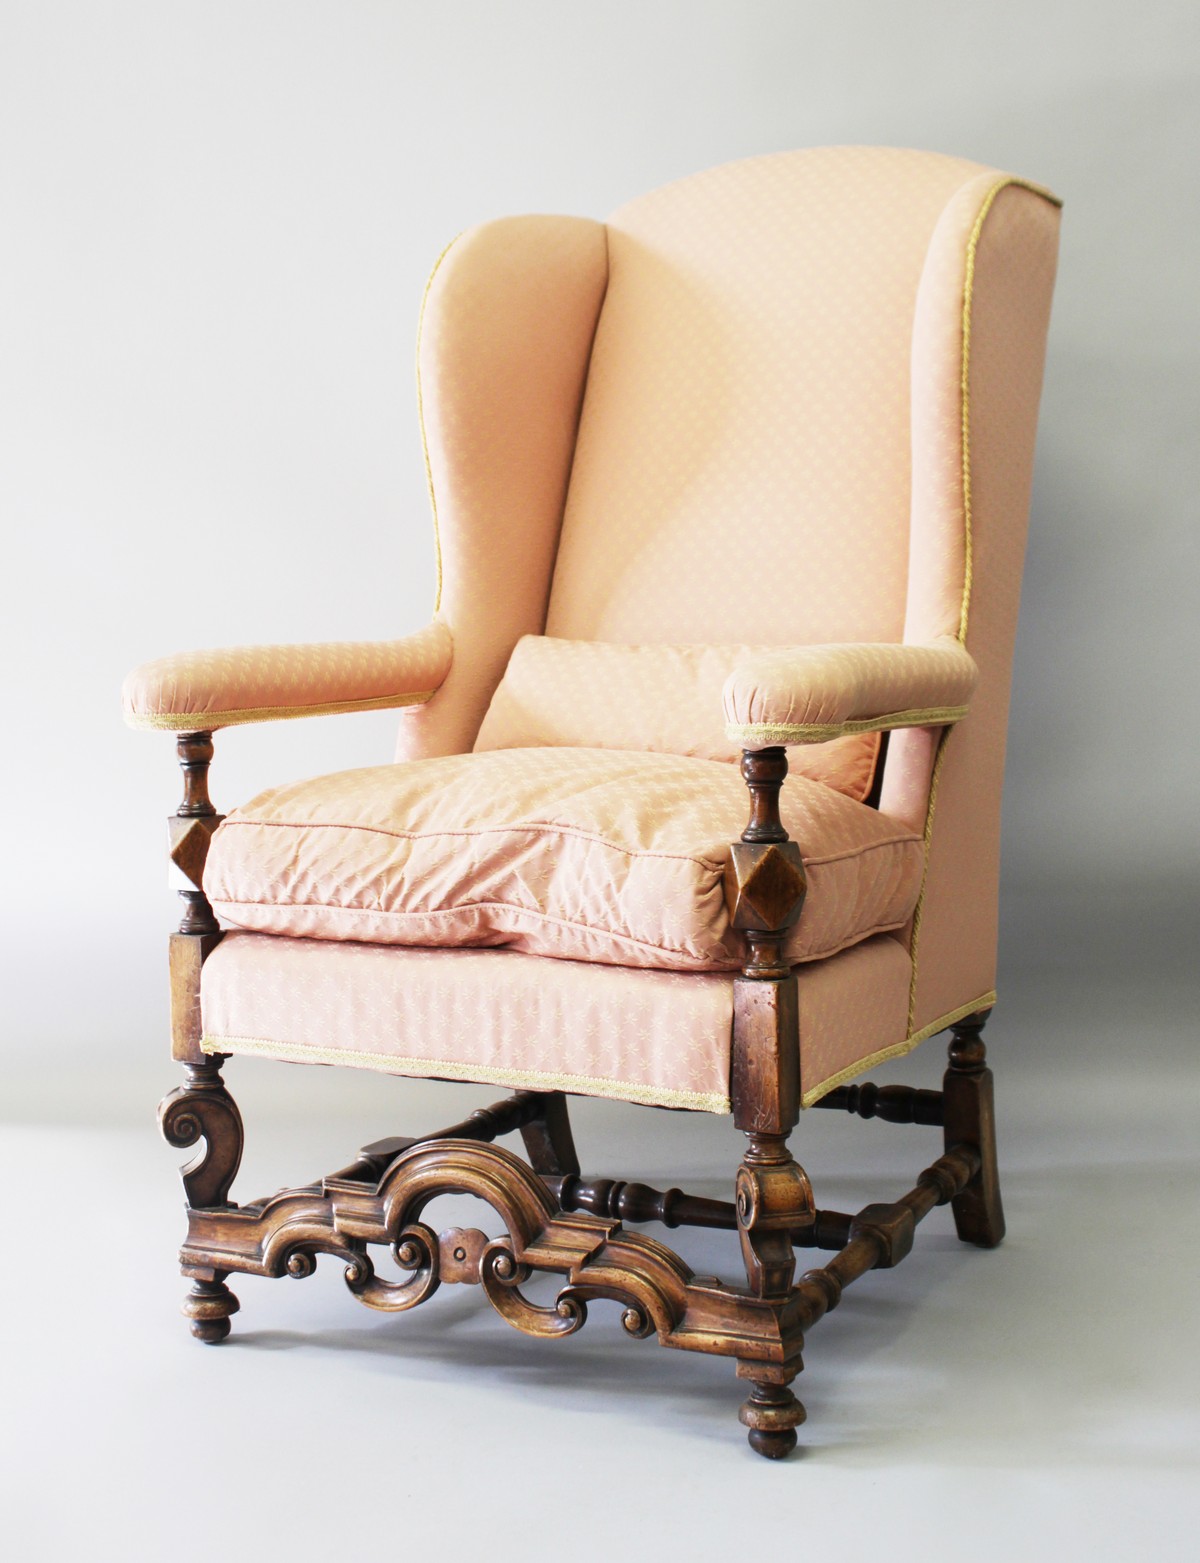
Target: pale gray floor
[(1042, 1400)]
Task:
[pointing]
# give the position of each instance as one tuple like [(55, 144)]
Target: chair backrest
[(743, 466), (788, 401)]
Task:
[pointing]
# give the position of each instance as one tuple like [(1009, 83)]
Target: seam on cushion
[(471, 906), (700, 963), (437, 533), (814, 732), (897, 1050), (848, 942), (540, 827), (594, 1085), (860, 851), (537, 827), (989, 199), (203, 721)]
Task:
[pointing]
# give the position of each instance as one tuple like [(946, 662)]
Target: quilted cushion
[(584, 854)]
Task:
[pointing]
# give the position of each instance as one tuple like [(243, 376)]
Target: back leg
[(970, 1119), (549, 1143)]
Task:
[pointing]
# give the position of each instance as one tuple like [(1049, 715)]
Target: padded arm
[(204, 690), (807, 694)]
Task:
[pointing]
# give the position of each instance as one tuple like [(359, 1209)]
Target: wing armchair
[(735, 480)]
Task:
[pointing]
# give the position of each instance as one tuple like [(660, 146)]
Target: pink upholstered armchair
[(730, 488)]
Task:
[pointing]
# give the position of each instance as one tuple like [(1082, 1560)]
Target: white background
[(215, 224)]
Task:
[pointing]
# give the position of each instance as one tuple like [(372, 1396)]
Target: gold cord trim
[(437, 533), (209, 721), (898, 1049), (1003, 183), (445, 1069), (821, 732)]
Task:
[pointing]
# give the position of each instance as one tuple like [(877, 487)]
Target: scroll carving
[(382, 1199), (595, 1257), (202, 1109)]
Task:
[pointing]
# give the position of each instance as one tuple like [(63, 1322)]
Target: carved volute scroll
[(774, 1199), (202, 1109)]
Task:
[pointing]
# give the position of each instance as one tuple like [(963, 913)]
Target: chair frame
[(557, 1221)]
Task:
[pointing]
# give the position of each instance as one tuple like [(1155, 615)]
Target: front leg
[(774, 1197), (201, 1108)]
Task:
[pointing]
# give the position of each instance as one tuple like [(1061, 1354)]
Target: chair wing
[(505, 337)]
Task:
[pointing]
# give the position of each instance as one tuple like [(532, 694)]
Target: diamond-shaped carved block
[(187, 843), (768, 885)]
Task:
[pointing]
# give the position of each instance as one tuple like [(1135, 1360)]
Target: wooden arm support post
[(773, 1196)]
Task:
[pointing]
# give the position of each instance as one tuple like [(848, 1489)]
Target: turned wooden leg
[(774, 1203), (970, 1119), (771, 1414), (208, 1306), (773, 1196)]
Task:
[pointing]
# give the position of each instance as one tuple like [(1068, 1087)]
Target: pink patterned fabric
[(586, 693), (789, 402), (772, 448), (212, 689), (970, 516), (507, 1019), (582, 854), (743, 468), (797, 695), (506, 330)]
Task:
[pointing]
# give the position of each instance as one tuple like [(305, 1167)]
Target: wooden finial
[(764, 772)]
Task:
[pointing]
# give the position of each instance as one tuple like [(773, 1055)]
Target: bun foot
[(207, 1307), (772, 1415), (772, 1446)]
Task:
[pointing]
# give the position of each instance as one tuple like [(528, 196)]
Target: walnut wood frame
[(557, 1221)]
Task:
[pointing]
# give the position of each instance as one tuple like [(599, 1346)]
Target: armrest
[(807, 694), (204, 690)]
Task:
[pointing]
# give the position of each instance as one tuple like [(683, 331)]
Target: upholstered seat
[(732, 485), (498, 1017), (585, 854)]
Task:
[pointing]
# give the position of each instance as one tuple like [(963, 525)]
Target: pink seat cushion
[(582, 854)]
